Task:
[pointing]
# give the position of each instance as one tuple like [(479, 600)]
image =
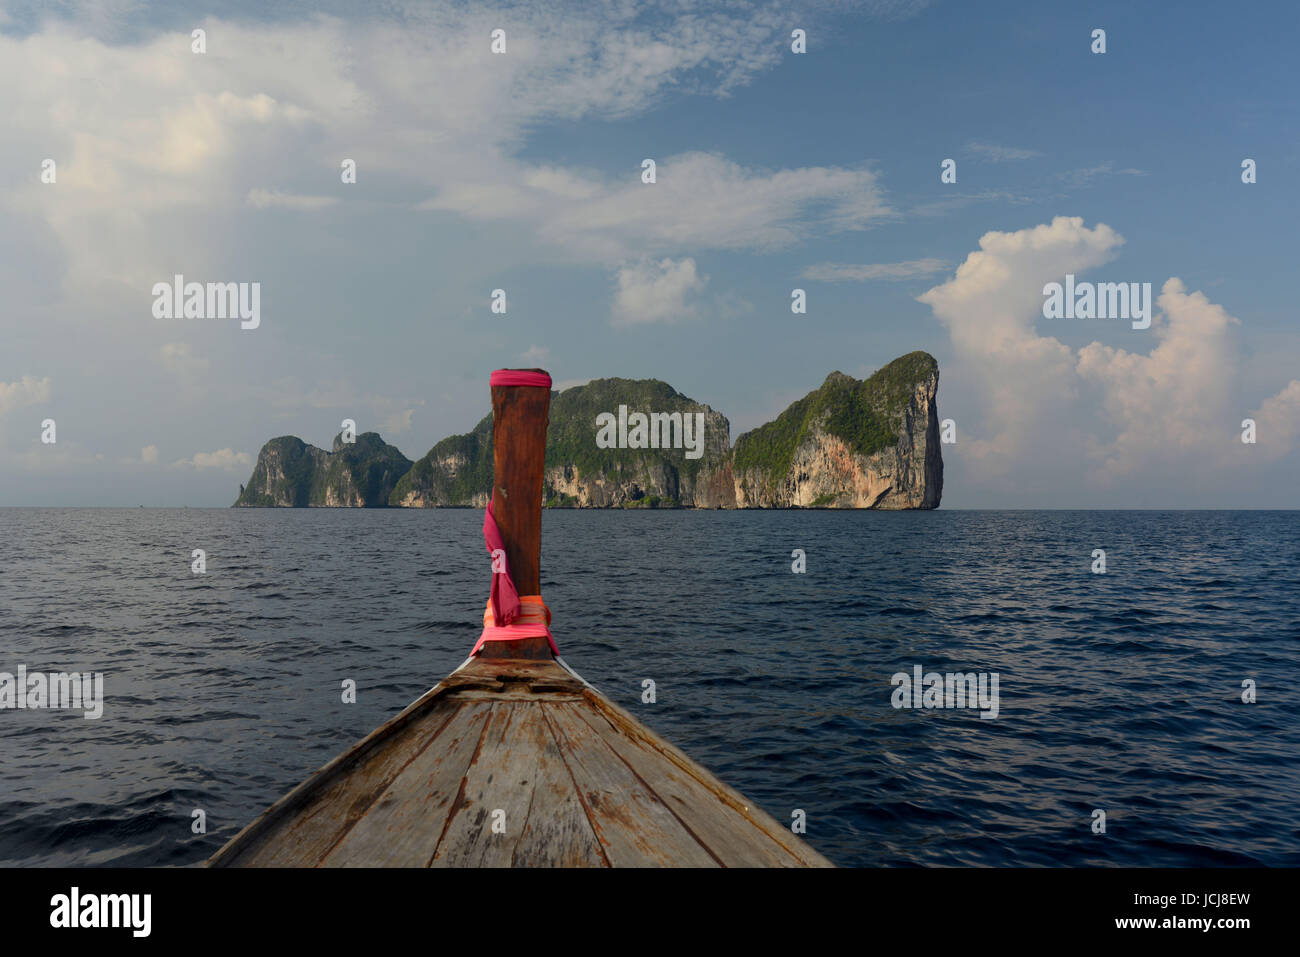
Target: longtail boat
[(514, 759)]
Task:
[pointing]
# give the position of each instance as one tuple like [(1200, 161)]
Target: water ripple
[(1119, 692)]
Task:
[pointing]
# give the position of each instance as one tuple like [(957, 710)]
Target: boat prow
[(514, 759), (514, 762)]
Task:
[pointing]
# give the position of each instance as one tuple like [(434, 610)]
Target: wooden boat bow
[(514, 759)]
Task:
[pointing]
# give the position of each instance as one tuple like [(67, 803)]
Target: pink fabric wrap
[(520, 377), (505, 598), (502, 616), (535, 621)]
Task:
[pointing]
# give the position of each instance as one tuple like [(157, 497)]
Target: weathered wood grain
[(495, 674), (635, 828), (738, 835), (300, 829), (403, 826), (558, 832), (581, 782), (497, 791)]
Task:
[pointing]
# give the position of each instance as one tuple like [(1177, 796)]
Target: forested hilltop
[(639, 443)]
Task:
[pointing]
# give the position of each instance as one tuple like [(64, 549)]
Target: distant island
[(869, 443)]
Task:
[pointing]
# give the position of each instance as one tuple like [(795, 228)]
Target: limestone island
[(639, 443)]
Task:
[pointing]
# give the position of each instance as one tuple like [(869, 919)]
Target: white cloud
[(274, 199), (563, 384), (991, 303), (849, 272), (989, 309), (397, 422), (656, 291), (179, 359), (730, 304), (961, 200), (40, 458), (698, 201), (26, 391), (422, 106), (1085, 175), (149, 455), (1173, 402), (1277, 422), (223, 459), (1132, 417), (534, 356), (1001, 154)]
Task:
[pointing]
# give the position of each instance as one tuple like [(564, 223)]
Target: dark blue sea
[(1119, 692)]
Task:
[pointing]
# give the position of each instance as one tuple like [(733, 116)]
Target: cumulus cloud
[(28, 390), (1133, 415), (149, 455), (656, 291), (223, 459), (1277, 422), (1173, 402), (848, 272), (991, 303)]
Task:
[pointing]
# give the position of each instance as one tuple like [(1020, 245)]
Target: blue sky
[(775, 171)]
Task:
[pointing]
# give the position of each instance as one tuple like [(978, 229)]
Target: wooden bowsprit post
[(519, 418), (513, 759)]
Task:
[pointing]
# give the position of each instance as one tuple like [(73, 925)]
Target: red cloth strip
[(505, 597), (507, 616), (520, 377)]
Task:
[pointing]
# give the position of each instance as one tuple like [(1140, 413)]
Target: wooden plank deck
[(578, 782)]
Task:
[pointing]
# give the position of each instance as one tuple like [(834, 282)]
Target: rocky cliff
[(871, 443), (640, 443), (661, 448), (458, 470), (291, 473)]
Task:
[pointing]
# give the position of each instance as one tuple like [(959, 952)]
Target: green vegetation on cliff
[(295, 465), (369, 467), (453, 472), (291, 473), (869, 416), (459, 468), (571, 437), (864, 413)]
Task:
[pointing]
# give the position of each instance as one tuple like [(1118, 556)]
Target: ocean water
[(1120, 692)]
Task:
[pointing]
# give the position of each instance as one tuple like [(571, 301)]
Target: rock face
[(850, 444), (694, 473), (456, 471), (291, 473), (872, 443)]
